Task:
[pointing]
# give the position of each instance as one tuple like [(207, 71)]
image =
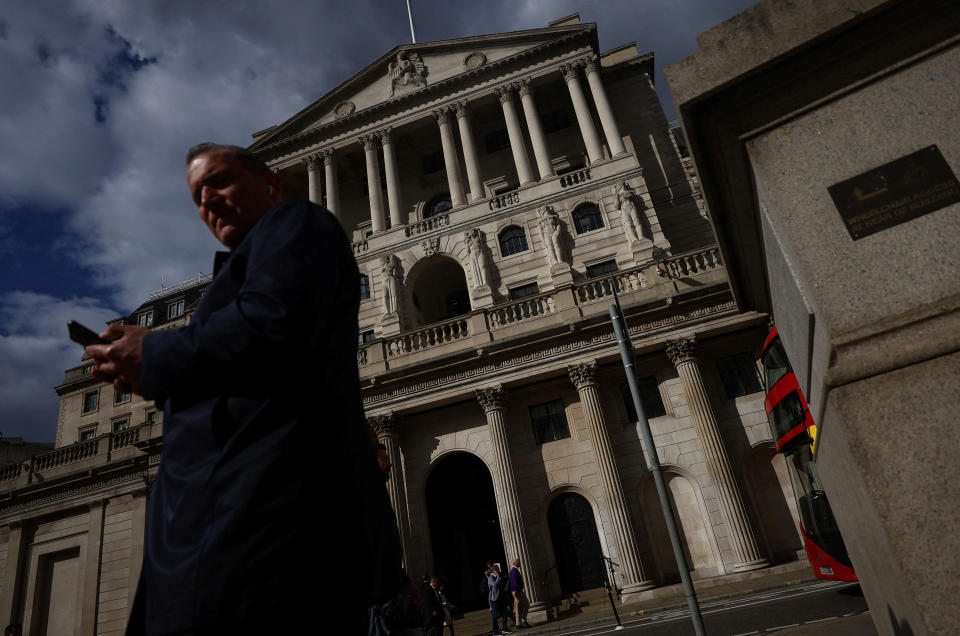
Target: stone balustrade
[(66, 454), (575, 177), (426, 337), (692, 263), (360, 247), (599, 288), (523, 310), (504, 200), (427, 225), (11, 471)]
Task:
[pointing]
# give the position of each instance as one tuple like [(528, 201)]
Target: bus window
[(775, 363)]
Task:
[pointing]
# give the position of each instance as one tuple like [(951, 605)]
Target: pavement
[(592, 607)]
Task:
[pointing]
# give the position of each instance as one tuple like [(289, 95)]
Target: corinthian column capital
[(327, 155), (369, 142), (569, 70), (442, 114), (584, 374), (311, 162), (384, 134), (386, 425), (505, 93), (682, 350), (492, 398), (523, 86), (590, 64), (460, 108)]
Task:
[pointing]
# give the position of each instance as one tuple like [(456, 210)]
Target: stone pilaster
[(537, 137), (493, 401), (610, 130), (387, 429), (17, 556), (312, 162), (742, 540), (332, 187), (450, 160), (517, 145), (91, 568), (397, 215), (584, 377), (582, 109), (374, 193), (469, 151)]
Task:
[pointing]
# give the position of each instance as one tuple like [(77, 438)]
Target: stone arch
[(693, 524), (557, 576), (771, 493), (436, 289)]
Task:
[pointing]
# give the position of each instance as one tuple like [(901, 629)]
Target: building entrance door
[(464, 527), (576, 544)]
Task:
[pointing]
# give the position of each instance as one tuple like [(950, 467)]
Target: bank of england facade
[(497, 190)]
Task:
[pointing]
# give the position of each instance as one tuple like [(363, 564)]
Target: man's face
[(230, 196), (383, 462)]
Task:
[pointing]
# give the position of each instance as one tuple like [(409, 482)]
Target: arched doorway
[(772, 495), (464, 527), (576, 544), (696, 534), (439, 290)]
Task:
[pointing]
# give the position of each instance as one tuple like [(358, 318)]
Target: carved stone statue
[(550, 230), (633, 225), (392, 275), (476, 245), (408, 71)]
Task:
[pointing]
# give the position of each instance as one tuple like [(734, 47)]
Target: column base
[(634, 592), (750, 566), (538, 613)]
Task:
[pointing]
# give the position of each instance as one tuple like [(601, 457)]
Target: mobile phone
[(83, 335)]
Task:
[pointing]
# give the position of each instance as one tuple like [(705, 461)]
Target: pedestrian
[(433, 616), (228, 548), (448, 607), (516, 586), (494, 587)]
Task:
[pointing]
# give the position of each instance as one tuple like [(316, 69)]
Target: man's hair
[(252, 161), (12, 628)]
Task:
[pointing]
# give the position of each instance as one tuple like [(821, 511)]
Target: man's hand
[(119, 361)]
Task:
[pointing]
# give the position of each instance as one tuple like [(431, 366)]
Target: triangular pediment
[(414, 67)]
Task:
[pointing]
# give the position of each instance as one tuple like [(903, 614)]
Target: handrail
[(426, 337), (522, 310), (427, 225)]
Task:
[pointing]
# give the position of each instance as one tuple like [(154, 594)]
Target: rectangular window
[(88, 433), (175, 310), (145, 319), (599, 269), (91, 400), (552, 122), (649, 398), (432, 162), (120, 398), (523, 291), (366, 336), (549, 422), (121, 424), (364, 287), (739, 374), (150, 417), (497, 140)]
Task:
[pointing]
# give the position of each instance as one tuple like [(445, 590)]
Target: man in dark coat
[(268, 480)]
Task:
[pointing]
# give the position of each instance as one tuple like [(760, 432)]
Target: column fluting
[(450, 160), (469, 151), (584, 377), (331, 185), (373, 183), (607, 120), (312, 162), (515, 133), (539, 140), (742, 540), (397, 215), (584, 119), (387, 429)]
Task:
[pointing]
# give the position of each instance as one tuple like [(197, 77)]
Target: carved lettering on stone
[(407, 72), (430, 245)]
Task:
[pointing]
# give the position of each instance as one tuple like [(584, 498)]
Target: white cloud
[(35, 353)]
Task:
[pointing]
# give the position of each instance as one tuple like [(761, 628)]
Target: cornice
[(422, 96)]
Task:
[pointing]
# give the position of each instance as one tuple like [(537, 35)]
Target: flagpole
[(413, 29)]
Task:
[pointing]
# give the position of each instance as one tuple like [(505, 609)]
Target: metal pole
[(609, 583), (626, 352), (413, 29)]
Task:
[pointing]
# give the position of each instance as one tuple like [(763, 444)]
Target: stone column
[(584, 119), (397, 215), (332, 187), (584, 377), (387, 429), (540, 151), (313, 178), (373, 183), (469, 151), (610, 130), (493, 401), (16, 560), (450, 160), (742, 540), (517, 145), (91, 568)]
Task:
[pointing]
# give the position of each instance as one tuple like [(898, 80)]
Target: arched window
[(364, 287), (512, 241), (587, 217), (437, 205)]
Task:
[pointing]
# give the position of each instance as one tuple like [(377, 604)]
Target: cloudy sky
[(100, 99)]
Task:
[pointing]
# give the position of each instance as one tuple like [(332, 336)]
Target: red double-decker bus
[(796, 435)]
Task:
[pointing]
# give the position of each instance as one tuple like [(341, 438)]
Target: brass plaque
[(896, 192)]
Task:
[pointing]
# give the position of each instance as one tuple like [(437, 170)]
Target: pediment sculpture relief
[(343, 109), (408, 72)]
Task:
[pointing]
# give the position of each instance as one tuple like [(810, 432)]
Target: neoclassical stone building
[(497, 190)]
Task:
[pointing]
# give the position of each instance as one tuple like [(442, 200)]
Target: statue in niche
[(408, 70), (550, 230), (476, 245), (392, 275), (636, 228)]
